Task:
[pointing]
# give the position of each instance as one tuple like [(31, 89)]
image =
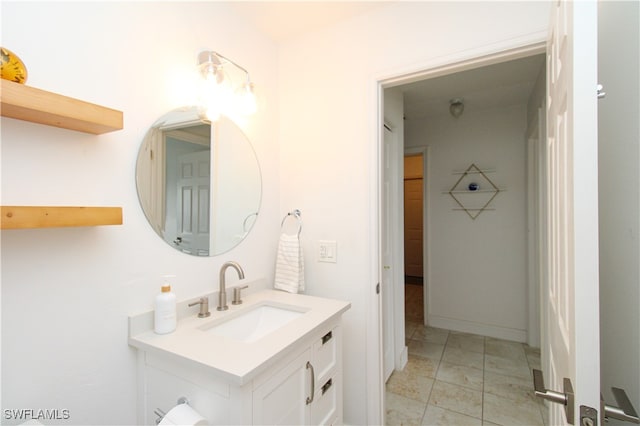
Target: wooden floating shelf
[(25, 217), (39, 106)]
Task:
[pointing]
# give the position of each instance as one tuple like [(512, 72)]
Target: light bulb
[(246, 99), (215, 94), (456, 107)]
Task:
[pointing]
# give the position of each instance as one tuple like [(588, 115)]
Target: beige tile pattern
[(436, 416), (426, 349), (462, 357), (420, 366), (466, 342), (461, 375), (402, 410), (430, 334), (507, 366), (503, 411), (416, 387), (457, 379), (457, 398), (516, 388)]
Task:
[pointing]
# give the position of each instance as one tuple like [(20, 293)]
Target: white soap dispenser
[(165, 311)]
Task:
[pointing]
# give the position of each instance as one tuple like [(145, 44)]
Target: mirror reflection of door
[(413, 236), (187, 175), (193, 192)]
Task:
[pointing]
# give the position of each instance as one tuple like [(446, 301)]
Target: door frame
[(503, 51), (537, 226)]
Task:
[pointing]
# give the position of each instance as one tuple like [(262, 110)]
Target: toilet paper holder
[(161, 413)]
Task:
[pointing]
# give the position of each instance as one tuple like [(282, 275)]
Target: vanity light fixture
[(218, 95), (456, 107)]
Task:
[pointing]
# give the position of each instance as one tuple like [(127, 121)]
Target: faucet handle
[(237, 295), (204, 307)]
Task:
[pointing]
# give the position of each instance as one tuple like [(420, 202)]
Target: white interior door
[(572, 162), (193, 193), (389, 175)]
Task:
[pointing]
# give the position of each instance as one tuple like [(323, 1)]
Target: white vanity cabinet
[(302, 387), (306, 390), (290, 374)]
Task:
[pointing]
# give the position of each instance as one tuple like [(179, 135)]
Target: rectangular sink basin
[(254, 323)]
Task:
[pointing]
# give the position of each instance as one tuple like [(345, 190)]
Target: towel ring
[(296, 214)]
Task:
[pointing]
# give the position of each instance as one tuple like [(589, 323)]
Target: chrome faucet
[(222, 295)]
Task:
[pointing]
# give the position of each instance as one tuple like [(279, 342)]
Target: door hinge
[(378, 288), (601, 92)]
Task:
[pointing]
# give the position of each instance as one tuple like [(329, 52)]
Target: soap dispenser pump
[(165, 311)]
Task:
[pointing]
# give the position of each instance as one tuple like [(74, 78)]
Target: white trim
[(533, 259), (498, 332), (542, 213), (374, 365), (507, 50)]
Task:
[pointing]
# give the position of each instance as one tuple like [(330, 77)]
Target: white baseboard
[(514, 334)]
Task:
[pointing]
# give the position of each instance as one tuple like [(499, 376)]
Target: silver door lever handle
[(565, 398), (624, 411), (544, 393)]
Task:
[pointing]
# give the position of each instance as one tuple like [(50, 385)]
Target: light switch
[(327, 251)]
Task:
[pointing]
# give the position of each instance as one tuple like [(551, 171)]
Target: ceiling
[(282, 20), (503, 84)]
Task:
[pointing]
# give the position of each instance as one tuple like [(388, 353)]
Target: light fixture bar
[(211, 65)]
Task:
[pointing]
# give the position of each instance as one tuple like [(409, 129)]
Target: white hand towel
[(289, 264)]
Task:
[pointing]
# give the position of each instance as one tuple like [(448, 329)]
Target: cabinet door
[(325, 356), (282, 399), (324, 410)]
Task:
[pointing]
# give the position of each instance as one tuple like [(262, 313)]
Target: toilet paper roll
[(183, 414)]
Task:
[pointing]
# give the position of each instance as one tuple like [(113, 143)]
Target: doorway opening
[(475, 269), (414, 236), (468, 274)]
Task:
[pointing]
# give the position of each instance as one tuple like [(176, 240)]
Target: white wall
[(477, 273), (328, 139), (66, 293), (619, 180)]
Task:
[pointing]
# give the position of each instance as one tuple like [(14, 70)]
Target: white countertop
[(235, 361)]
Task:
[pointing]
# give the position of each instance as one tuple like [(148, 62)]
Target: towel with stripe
[(289, 264)]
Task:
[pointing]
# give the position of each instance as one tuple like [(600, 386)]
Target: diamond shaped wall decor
[(481, 185)]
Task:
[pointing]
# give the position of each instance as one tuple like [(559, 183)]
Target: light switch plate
[(327, 251)]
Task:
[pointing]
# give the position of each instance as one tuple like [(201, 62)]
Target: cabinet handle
[(327, 337), (327, 386), (313, 383)]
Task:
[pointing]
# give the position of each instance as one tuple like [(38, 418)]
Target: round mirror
[(198, 182)]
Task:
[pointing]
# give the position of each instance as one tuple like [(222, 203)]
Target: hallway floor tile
[(456, 379)]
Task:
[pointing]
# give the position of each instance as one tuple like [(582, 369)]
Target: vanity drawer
[(325, 355), (325, 403)]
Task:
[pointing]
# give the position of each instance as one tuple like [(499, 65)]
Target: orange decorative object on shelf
[(13, 68)]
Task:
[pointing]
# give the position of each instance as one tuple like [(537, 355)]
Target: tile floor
[(461, 379)]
